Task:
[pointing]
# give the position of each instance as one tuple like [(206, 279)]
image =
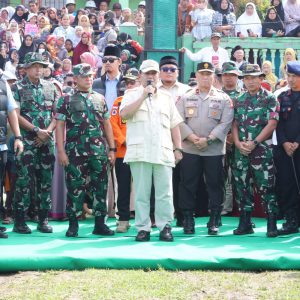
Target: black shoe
[(20, 226), (291, 224), (143, 236), (43, 225), (245, 225), (2, 229), (101, 228), (73, 227), (213, 223), (271, 225), (166, 234), (3, 235), (188, 223)]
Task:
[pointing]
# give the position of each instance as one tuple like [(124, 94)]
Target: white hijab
[(245, 22), (16, 36)]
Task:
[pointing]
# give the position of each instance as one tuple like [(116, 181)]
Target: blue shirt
[(111, 93)]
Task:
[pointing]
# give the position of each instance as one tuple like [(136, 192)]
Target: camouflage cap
[(34, 58), (82, 70), (252, 70), (230, 68), (131, 74)]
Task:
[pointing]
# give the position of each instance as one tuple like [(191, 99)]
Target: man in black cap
[(109, 84), (207, 114), (288, 139), (169, 72)]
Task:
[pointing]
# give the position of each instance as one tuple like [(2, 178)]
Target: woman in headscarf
[(84, 22), (13, 60), (85, 45), (14, 29), (292, 14), (20, 14), (272, 25), (289, 55), (27, 46), (44, 29), (80, 12), (4, 19), (271, 78), (95, 25), (279, 8), (248, 24), (224, 20), (52, 16)]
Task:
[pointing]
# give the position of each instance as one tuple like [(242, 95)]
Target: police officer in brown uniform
[(207, 114)]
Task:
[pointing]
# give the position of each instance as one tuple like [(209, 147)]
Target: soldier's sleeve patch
[(114, 111)]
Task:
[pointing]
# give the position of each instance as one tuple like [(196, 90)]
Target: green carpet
[(54, 251)]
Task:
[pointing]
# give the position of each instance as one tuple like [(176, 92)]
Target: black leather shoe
[(143, 236), (2, 229), (166, 234), (3, 235), (21, 228), (188, 223), (103, 230)]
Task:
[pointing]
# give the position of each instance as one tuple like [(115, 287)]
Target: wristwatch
[(19, 137), (209, 141), (255, 142), (113, 149), (35, 129)]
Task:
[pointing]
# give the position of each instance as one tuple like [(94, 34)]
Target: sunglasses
[(70, 83), (111, 60), (166, 69)]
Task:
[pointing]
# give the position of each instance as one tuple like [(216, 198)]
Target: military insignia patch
[(114, 112), (190, 111), (206, 65)]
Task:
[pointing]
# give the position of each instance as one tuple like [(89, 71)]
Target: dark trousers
[(176, 181), (289, 199), (3, 160), (192, 167), (124, 182)]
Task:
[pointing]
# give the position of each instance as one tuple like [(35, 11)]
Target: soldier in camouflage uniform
[(36, 99), (230, 75), (86, 117), (255, 119)]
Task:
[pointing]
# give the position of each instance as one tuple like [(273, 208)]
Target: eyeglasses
[(110, 59), (69, 83), (166, 69)]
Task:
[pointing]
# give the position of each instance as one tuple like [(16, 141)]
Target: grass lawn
[(140, 284)]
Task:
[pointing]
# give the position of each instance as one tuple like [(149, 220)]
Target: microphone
[(149, 82)]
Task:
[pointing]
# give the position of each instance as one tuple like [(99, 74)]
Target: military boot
[(43, 222), (188, 222), (73, 226), (214, 221), (272, 225), (20, 226), (245, 226), (101, 228), (291, 224), (3, 235)]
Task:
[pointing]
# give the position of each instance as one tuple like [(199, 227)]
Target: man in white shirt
[(214, 54), (152, 132)]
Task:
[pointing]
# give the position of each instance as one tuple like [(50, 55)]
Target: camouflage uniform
[(83, 114), (252, 114), (35, 165)]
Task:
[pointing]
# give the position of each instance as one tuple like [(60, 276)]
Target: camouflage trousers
[(34, 177), (86, 174), (255, 171)]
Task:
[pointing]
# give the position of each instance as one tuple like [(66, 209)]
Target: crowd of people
[(80, 114), (202, 17)]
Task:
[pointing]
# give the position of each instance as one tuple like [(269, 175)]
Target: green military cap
[(230, 68), (34, 58), (82, 70), (252, 70)]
